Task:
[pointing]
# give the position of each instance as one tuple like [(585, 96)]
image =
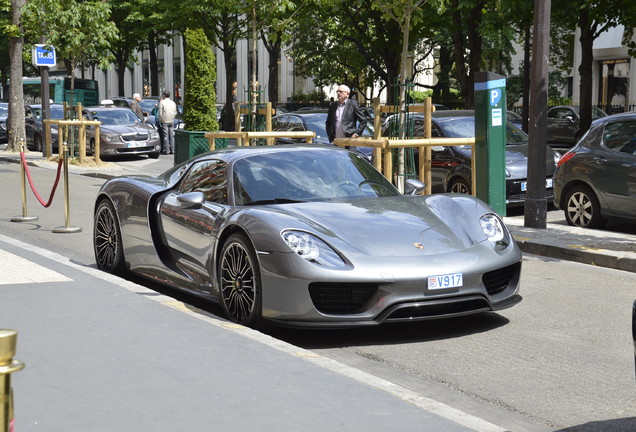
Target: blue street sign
[(43, 55)]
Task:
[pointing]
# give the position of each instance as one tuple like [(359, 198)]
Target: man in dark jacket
[(343, 116)]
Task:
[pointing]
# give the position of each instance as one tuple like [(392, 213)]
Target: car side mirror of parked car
[(413, 187)]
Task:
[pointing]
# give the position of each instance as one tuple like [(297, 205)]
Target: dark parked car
[(314, 121), (4, 113), (563, 124), (281, 233), (596, 179), (121, 133), (34, 127), (451, 166)]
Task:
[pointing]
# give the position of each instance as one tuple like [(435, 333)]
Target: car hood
[(126, 129), (391, 226), (517, 161)]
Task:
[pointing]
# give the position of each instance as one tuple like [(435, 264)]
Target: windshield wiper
[(275, 201)]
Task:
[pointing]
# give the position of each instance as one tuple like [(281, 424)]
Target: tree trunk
[(121, 61), (15, 122), (525, 109), (272, 81), (227, 120), (585, 71), (154, 67)]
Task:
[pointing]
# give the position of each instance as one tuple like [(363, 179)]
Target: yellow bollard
[(24, 217), (8, 341), (67, 228)]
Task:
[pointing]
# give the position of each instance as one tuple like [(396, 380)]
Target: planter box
[(188, 144)]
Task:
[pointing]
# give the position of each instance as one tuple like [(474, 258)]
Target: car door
[(189, 232), (614, 172)]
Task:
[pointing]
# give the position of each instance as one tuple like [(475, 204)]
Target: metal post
[(24, 217), (67, 228), (535, 212), (8, 341)]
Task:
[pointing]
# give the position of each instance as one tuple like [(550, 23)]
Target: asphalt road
[(560, 360)]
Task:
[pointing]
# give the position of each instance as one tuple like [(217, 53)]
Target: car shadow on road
[(390, 334), (614, 425)]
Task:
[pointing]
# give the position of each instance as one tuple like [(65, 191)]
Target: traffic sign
[(43, 55)]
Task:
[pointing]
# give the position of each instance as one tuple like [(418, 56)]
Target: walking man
[(343, 115), (167, 113)]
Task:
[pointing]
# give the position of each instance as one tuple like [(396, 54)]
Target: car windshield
[(299, 176), (115, 117), (148, 104), (464, 127)]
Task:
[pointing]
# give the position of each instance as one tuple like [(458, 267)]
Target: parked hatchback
[(596, 179)]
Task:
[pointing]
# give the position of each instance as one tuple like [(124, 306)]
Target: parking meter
[(490, 139)]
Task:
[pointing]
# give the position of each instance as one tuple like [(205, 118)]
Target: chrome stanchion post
[(8, 341), (24, 217), (67, 228)]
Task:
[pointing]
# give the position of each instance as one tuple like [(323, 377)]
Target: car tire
[(107, 239), (154, 155), (239, 282), (582, 208), (459, 186)]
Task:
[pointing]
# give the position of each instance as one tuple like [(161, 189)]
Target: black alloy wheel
[(107, 240), (240, 282), (582, 208), (459, 186)]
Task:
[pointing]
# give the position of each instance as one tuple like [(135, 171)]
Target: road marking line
[(17, 270)]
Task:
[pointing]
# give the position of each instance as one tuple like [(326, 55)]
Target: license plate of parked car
[(524, 185), (452, 280), (137, 144)]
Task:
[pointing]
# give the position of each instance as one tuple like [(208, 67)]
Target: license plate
[(524, 185), (452, 280), (136, 144)]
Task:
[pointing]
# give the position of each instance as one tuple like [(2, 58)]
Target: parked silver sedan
[(122, 132), (307, 236)]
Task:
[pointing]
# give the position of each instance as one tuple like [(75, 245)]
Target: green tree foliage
[(200, 78)]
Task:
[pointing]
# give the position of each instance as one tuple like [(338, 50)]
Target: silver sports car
[(307, 236)]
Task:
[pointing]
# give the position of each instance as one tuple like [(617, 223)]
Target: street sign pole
[(490, 139), (44, 57)]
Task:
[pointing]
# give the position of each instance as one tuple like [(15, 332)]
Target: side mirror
[(413, 187), (191, 200)]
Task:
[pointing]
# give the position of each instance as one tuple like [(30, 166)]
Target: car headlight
[(497, 233), (312, 249), (154, 135), (3, 126), (557, 157)]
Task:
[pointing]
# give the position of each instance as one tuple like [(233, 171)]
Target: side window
[(295, 124), (278, 124), (209, 177), (620, 137)]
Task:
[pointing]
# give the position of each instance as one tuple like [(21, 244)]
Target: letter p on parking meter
[(490, 139)]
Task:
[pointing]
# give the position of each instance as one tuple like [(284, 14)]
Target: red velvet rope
[(35, 192)]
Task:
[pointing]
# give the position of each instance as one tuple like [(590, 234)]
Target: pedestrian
[(134, 105), (618, 101), (343, 115), (167, 113)]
